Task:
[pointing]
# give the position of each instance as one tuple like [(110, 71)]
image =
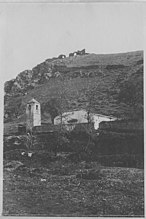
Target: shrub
[(13, 165), (121, 160), (13, 154), (74, 157), (43, 157), (90, 174), (112, 143), (14, 142)]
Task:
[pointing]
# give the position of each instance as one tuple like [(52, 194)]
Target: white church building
[(69, 119), (80, 116)]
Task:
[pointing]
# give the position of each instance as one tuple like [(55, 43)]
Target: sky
[(34, 32)]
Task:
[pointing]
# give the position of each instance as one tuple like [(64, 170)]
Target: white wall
[(33, 116), (97, 119), (36, 115), (81, 116)]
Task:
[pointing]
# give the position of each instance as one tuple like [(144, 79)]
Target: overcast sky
[(31, 33)]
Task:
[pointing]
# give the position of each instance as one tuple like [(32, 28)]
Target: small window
[(29, 107), (36, 107)]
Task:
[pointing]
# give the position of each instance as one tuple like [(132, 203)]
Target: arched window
[(36, 107)]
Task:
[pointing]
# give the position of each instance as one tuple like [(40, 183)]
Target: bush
[(61, 171), (90, 174), (112, 143), (73, 157), (13, 154), (121, 160), (78, 156), (14, 142), (43, 157), (13, 165)]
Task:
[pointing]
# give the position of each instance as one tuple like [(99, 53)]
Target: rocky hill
[(117, 81)]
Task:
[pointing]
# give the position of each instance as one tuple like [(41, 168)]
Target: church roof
[(33, 101)]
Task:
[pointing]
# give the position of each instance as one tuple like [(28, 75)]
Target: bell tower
[(33, 114)]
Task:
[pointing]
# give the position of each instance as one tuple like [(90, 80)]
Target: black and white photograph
[(73, 108)]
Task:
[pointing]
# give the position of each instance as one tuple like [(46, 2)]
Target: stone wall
[(122, 126)]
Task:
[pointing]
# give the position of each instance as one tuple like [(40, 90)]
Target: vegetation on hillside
[(117, 81)]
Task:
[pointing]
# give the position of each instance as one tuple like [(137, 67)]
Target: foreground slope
[(58, 191)]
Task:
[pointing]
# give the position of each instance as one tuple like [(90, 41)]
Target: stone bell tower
[(33, 114)]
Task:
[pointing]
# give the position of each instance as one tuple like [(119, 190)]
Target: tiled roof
[(33, 101)]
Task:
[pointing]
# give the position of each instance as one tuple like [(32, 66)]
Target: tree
[(127, 93), (91, 97), (13, 108), (55, 106), (62, 98), (131, 94), (52, 108)]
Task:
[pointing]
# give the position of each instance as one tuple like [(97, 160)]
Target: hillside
[(117, 81)]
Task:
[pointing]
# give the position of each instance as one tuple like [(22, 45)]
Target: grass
[(56, 190)]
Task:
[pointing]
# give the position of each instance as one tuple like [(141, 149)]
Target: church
[(69, 119)]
